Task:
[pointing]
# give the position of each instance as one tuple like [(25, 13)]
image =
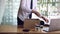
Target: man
[(25, 11)]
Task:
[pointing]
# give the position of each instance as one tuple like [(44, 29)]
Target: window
[(49, 8), (10, 13)]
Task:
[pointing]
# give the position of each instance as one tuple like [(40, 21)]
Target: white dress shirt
[(25, 10)]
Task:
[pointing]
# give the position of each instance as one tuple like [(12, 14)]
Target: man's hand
[(45, 19)]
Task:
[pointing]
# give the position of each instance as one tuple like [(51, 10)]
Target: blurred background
[(49, 8), (9, 10)]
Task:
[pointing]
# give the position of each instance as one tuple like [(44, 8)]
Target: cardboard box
[(30, 23)]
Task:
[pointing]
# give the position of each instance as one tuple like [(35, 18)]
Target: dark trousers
[(19, 21)]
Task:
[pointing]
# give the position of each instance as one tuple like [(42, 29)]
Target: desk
[(8, 28), (30, 32), (14, 29), (19, 30)]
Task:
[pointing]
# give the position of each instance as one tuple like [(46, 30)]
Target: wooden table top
[(6, 29), (19, 30)]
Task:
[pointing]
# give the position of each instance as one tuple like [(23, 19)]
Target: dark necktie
[(31, 6)]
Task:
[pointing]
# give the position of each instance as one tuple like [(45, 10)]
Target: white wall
[(2, 7)]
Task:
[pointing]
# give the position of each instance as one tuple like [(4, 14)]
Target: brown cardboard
[(30, 23)]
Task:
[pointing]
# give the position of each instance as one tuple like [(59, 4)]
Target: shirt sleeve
[(23, 7)]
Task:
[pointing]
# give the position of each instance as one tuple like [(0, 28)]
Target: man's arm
[(39, 15)]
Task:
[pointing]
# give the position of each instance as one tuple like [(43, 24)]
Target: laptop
[(54, 25)]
